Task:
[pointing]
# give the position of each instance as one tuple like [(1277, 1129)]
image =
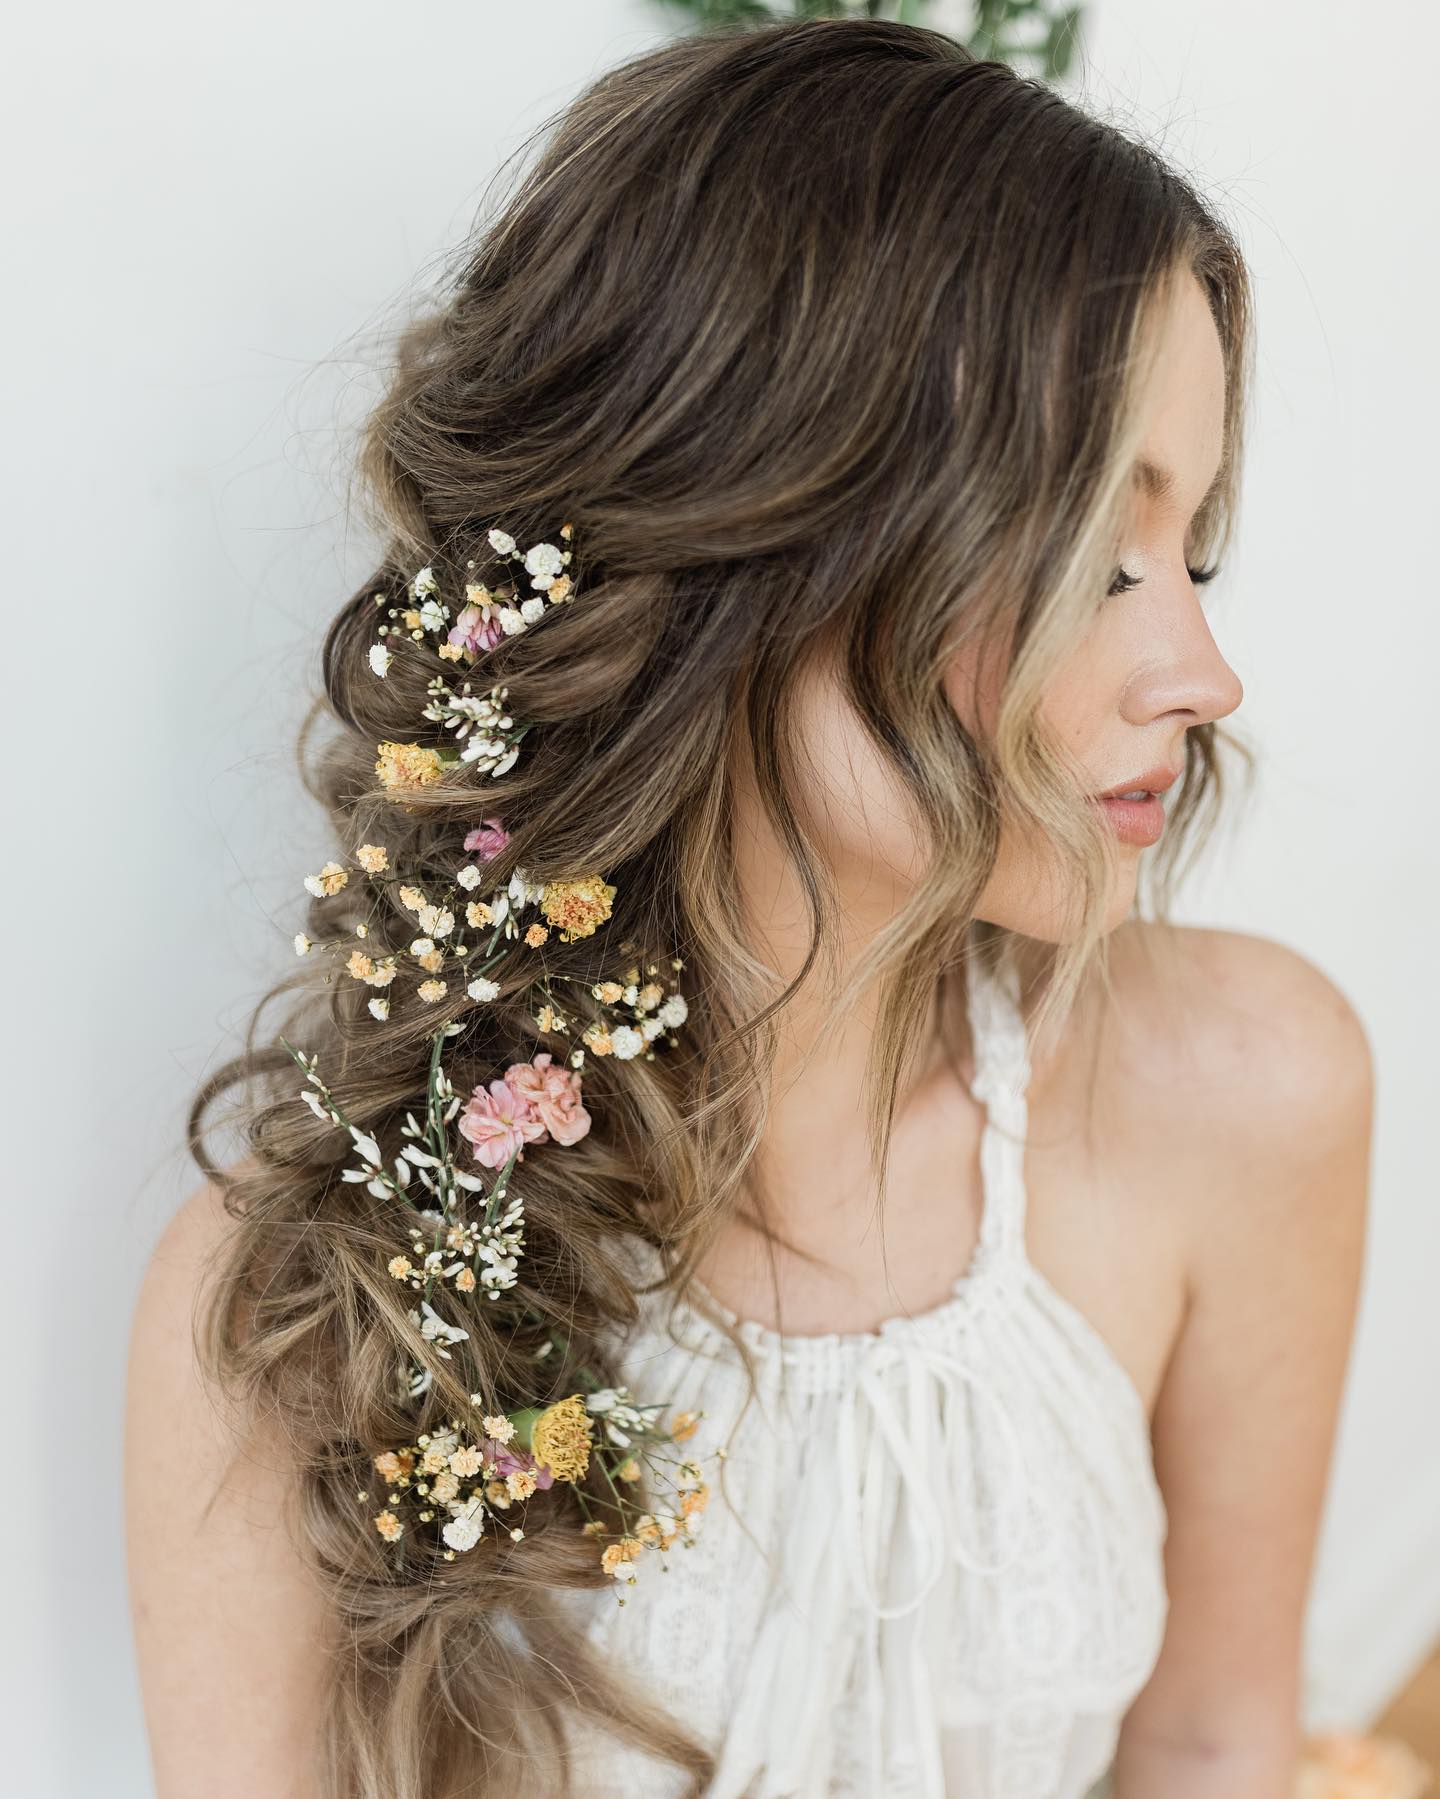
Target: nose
[(1190, 674)]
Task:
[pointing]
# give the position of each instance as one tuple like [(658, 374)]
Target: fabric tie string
[(911, 1426)]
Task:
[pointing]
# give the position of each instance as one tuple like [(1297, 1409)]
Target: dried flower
[(407, 765), (577, 908), (560, 1438)]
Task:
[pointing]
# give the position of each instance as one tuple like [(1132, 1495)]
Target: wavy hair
[(828, 337)]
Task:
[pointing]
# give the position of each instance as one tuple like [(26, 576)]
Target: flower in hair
[(463, 1223)]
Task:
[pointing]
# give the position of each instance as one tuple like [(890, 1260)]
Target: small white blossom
[(432, 615), (422, 946), (626, 1042), (502, 541), (674, 1012), (424, 583), (434, 1327), (531, 610), (462, 1532), (512, 622), (468, 877), (303, 945), (380, 1008), (543, 561), (380, 659), (483, 988)]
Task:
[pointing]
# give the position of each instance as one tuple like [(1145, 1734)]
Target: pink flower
[(487, 839), (509, 1460), (554, 1095), (499, 1122), (476, 628)]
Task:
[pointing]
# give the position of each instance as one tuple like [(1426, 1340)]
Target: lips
[(1150, 781)]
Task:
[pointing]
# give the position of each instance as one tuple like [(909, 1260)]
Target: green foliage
[(1039, 36)]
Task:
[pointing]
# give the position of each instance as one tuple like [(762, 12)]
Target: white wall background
[(204, 215)]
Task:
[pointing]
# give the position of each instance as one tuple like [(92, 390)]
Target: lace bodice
[(934, 1564)]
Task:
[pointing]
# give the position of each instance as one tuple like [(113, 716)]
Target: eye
[(1123, 582)]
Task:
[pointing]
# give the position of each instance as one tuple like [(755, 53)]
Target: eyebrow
[(1159, 483)]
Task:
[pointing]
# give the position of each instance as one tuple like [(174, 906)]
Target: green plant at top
[(1039, 36)]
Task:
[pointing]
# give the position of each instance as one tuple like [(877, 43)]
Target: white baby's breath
[(380, 659)]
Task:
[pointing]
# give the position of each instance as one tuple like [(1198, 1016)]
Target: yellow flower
[(498, 1494), (360, 965), (444, 1488), (465, 1280), (394, 1467), (430, 991), (373, 858), (684, 1426), (331, 878), (616, 1557), (610, 991), (477, 914), (411, 898), (694, 1501), (521, 1483), (577, 908), (536, 935), (407, 765), (389, 1526), (647, 1529), (628, 1470), (594, 1528), (383, 973), (597, 1040), (399, 1266), (466, 1462), (560, 1439)]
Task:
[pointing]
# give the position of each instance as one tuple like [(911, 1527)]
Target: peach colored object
[(1347, 1765)]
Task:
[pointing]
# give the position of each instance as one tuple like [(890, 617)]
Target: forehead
[(1183, 408)]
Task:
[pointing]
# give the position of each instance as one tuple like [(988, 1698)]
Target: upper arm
[(229, 1628), (1275, 1160)]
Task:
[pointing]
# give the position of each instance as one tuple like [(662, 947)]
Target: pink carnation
[(499, 1122), (476, 628), (554, 1096), (510, 1460), (487, 839)]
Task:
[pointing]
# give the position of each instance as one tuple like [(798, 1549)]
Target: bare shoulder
[(228, 1626), (1245, 1034), (1258, 1095)]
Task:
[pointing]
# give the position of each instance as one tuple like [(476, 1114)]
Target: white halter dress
[(933, 1563)]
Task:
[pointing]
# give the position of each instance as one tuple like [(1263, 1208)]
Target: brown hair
[(826, 336)]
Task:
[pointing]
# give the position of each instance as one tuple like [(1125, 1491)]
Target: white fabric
[(961, 1512)]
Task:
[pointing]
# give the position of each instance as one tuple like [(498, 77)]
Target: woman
[(1006, 1245)]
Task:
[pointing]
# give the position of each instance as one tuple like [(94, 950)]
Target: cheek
[(851, 799)]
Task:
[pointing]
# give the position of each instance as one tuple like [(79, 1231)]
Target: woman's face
[(1149, 668)]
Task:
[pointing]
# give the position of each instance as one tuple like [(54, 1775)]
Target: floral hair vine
[(464, 1224)]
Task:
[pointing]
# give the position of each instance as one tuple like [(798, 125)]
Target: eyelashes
[(1123, 582)]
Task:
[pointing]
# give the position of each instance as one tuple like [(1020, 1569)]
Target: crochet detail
[(934, 1562)]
